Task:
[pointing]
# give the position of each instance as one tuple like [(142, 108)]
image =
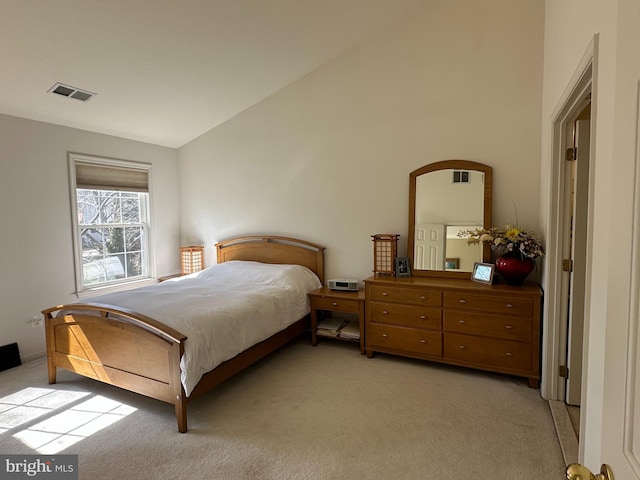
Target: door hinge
[(572, 154), (567, 265), (563, 371)]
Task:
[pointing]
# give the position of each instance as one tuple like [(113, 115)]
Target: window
[(111, 221)]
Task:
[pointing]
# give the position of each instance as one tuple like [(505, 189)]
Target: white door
[(579, 175), (613, 373), (429, 244), (617, 431)]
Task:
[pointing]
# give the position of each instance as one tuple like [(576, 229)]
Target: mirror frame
[(488, 195)]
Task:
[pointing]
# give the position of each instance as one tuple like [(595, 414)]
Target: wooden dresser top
[(529, 288)]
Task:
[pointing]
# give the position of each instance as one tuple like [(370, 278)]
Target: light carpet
[(304, 412)]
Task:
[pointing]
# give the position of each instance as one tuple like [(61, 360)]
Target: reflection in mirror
[(448, 201), (457, 248), (448, 197)]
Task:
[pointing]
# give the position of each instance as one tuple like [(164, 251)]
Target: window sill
[(94, 292)]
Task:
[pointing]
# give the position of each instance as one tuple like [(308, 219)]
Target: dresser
[(456, 321)]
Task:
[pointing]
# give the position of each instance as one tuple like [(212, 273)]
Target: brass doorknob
[(575, 471)]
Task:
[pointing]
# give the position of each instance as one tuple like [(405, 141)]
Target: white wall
[(328, 158), (36, 254)]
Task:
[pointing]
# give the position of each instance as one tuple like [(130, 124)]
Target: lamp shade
[(192, 259), (385, 251)]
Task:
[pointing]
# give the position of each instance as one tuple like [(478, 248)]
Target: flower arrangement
[(507, 239)]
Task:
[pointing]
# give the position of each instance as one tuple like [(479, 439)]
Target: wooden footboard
[(118, 347)]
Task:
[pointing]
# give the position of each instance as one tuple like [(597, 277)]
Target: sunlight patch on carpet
[(65, 417)]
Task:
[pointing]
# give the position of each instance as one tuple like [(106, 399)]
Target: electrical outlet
[(36, 321)]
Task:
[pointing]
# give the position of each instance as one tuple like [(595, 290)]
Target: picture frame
[(451, 263), (403, 267), (483, 272)]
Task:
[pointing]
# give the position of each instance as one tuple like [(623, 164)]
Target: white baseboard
[(33, 356)]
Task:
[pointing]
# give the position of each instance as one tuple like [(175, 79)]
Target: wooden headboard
[(273, 249)]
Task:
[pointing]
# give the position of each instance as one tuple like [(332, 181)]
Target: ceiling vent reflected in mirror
[(460, 176), (71, 92)]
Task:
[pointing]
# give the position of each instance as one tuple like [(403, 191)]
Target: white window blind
[(94, 176)]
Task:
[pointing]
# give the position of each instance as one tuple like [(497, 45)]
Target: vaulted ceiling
[(167, 71)]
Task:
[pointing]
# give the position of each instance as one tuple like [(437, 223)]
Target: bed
[(131, 349)]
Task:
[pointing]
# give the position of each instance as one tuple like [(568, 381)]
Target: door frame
[(554, 341)]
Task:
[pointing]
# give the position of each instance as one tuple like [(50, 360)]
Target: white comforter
[(223, 310)]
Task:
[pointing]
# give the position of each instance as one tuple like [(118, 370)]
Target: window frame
[(146, 219)]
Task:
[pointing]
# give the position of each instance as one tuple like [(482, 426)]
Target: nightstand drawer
[(405, 315), (413, 340), (504, 327), (413, 296), (335, 304), (485, 303), (487, 351)]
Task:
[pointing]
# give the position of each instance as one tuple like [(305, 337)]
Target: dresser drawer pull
[(462, 322), (385, 335), (508, 327), (462, 347), (509, 354), (422, 340), (384, 312), (335, 304), (385, 294), (423, 317), (509, 305), (422, 297), (462, 300)]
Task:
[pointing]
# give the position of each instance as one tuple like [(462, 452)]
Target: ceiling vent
[(71, 92)]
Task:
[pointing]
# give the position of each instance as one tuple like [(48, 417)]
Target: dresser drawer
[(405, 315), (413, 296), (408, 340), (488, 352), (335, 304), (471, 323), (489, 303)]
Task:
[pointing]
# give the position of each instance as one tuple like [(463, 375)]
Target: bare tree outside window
[(112, 232)]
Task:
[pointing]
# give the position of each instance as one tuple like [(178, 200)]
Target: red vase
[(513, 268)]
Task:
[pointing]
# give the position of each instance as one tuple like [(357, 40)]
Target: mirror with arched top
[(445, 198)]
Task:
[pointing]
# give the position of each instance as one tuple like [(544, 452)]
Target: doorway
[(569, 242)]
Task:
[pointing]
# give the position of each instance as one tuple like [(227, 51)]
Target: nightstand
[(326, 302)]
